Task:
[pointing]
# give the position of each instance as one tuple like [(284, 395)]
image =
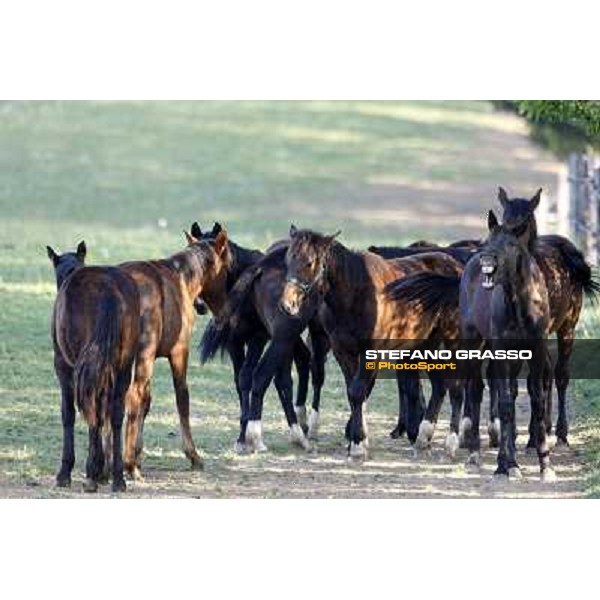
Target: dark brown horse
[(95, 333), (245, 337), (272, 338), (355, 307), (168, 289), (568, 277), (504, 305)]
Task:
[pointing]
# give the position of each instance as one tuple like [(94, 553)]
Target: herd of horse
[(290, 306)]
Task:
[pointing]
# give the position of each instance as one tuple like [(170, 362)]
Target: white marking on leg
[(465, 426), (514, 474), (452, 444), (254, 441), (426, 429), (301, 415), (548, 475), (313, 424), (297, 437), (358, 450)]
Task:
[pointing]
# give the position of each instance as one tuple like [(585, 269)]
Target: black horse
[(568, 277), (250, 320), (504, 305)]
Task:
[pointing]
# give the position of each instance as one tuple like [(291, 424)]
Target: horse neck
[(189, 266), (530, 235), (242, 258), (343, 269), (516, 288)]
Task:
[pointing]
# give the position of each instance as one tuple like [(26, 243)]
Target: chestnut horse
[(168, 289), (354, 307), (95, 333)]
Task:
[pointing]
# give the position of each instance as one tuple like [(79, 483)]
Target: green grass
[(110, 173)]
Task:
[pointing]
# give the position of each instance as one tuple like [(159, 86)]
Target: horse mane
[(352, 266), (241, 259)]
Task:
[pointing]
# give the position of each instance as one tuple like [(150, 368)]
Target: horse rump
[(94, 370)]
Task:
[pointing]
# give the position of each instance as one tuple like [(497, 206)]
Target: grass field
[(128, 177)]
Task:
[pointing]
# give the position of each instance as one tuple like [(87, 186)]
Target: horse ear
[(217, 228), (221, 242), (191, 240), (535, 201), (492, 221), (503, 197), (52, 255), (81, 251), (330, 238), (293, 230), (195, 230)]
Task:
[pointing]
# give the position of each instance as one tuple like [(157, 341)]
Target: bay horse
[(258, 292), (355, 309), (168, 289), (568, 277), (95, 334), (503, 304), (249, 326)]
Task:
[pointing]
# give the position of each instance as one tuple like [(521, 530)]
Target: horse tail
[(436, 294), (579, 270), (219, 329), (94, 371)]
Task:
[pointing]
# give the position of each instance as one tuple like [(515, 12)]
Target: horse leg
[(470, 424), (235, 348), (178, 359), (538, 370), (320, 347), (67, 409), (494, 422), (116, 419), (137, 403), (562, 375), (506, 461), (255, 348), (357, 394), (456, 392), (94, 464), (278, 351), (427, 426), (284, 386), (302, 362), (400, 428)]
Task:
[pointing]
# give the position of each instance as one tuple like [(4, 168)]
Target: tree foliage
[(562, 126)]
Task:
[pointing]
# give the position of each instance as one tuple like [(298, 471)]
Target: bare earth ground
[(391, 471)]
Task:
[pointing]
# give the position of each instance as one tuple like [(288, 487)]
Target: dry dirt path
[(391, 471)]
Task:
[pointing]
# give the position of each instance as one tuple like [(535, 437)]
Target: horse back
[(164, 308)]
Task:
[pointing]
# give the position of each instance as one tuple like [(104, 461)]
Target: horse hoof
[(397, 432), (240, 447), (551, 441), (514, 474), (452, 444), (298, 438), (119, 486), (474, 460), (254, 436), (104, 479), (313, 424), (63, 481), (135, 474), (499, 478), (494, 433), (562, 441), (548, 475), (301, 416), (90, 486), (425, 435), (196, 463), (357, 451)]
